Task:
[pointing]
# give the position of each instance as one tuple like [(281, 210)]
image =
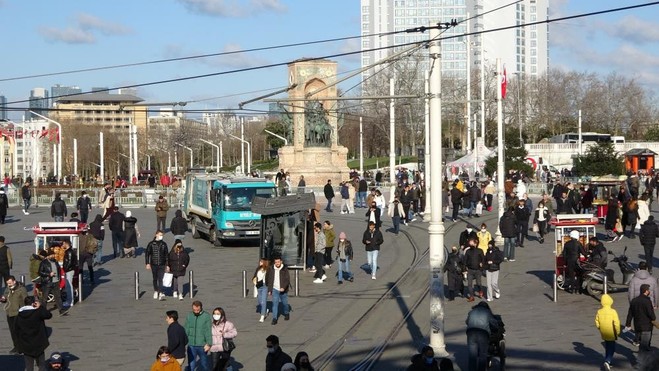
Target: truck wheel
[(193, 227), (212, 237)]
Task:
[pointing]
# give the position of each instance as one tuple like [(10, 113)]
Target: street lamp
[(59, 143), (249, 154), (191, 154), (217, 158)]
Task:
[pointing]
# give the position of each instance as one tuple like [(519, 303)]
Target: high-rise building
[(523, 50), (38, 102), (61, 91), (3, 107)]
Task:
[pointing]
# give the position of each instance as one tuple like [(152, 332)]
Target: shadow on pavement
[(544, 276)]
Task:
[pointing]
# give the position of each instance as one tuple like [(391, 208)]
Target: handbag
[(227, 343), (167, 279), (536, 228)]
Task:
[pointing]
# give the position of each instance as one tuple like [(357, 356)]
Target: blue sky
[(47, 36)]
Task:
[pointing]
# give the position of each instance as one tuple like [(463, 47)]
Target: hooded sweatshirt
[(178, 225), (607, 320), (640, 277)]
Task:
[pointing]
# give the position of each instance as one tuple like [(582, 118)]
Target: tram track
[(333, 353)]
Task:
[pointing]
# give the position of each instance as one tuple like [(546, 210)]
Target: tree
[(600, 159), (277, 127), (513, 159)]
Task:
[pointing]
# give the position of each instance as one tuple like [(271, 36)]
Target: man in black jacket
[(641, 311), (69, 265), (522, 215), (278, 281), (32, 338), (178, 226), (276, 357), (466, 235), (49, 271), (648, 238), (329, 195), (58, 208), (177, 339), (508, 228), (372, 239), (456, 200), (116, 224), (473, 260), (156, 258), (572, 250), (97, 230), (83, 205), (597, 254)]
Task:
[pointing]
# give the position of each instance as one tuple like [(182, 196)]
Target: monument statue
[(318, 132)]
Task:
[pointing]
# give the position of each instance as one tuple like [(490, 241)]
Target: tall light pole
[(361, 147), (468, 114), (59, 144), (427, 214), (101, 160), (500, 159), (436, 227), (75, 157), (148, 160), (242, 146), (217, 158), (191, 154), (392, 138), (249, 154)]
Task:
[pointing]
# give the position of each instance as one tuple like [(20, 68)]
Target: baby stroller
[(497, 345)]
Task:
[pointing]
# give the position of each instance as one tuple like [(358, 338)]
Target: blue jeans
[(329, 205), (396, 222), (193, 352), (262, 298), (372, 257), (117, 242), (99, 252), (26, 204), (361, 199), (477, 344), (609, 350), (278, 296), (59, 218), (509, 247), (344, 267), (472, 207)]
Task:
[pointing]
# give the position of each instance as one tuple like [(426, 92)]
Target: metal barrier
[(80, 298)]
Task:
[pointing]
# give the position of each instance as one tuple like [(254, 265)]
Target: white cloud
[(234, 60), (68, 35), (348, 46), (233, 8), (632, 29), (83, 32)]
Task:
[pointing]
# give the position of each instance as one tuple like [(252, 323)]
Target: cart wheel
[(50, 298), (560, 282)]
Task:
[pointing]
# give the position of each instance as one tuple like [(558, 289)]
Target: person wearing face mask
[(131, 234), (156, 258), (493, 259), (396, 212), (178, 263), (198, 328), (302, 362), (83, 206), (164, 361), (484, 238), (221, 329), (466, 235), (522, 215), (344, 256), (424, 361), (276, 357), (473, 260), (278, 281), (261, 288), (540, 218)]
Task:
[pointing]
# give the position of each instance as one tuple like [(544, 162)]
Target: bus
[(586, 137)]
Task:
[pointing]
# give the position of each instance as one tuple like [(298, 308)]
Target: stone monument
[(314, 151)]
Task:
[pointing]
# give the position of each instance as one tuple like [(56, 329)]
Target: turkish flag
[(504, 83)]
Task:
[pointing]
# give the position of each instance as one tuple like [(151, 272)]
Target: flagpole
[(500, 159)]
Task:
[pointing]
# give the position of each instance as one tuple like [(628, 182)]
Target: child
[(344, 255), (608, 323)]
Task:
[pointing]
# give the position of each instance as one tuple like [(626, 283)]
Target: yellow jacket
[(607, 320), (483, 239)]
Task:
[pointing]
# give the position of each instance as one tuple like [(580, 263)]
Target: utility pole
[(392, 138), (501, 177), (468, 114)]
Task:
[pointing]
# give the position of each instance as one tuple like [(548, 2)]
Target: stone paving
[(110, 329)]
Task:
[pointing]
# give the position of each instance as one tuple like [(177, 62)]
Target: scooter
[(593, 277)]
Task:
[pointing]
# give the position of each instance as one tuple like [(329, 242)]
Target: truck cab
[(219, 207)]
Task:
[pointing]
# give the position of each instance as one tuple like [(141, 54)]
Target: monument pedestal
[(317, 164)]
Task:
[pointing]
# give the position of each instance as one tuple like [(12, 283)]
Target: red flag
[(504, 82)]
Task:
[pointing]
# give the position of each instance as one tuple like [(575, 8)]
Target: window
[(534, 60), (534, 43), (533, 52), (365, 9)]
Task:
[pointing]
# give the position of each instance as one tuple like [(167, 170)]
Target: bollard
[(297, 282), (23, 279), (555, 287), (244, 284), (606, 283), (191, 280), (80, 287), (137, 285)]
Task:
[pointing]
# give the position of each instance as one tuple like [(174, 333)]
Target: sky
[(46, 37)]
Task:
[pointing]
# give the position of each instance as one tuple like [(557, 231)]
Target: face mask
[(158, 238), (164, 359), (217, 317), (342, 241), (304, 364), (469, 230), (429, 360), (483, 229)]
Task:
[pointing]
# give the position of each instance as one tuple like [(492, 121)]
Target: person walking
[(456, 200), (641, 311), (278, 281), (131, 234), (88, 246), (116, 224), (572, 250), (198, 329), (396, 213), (643, 276), (330, 236), (97, 230), (302, 362), (156, 258), (508, 228), (484, 238), (319, 254), (161, 213), (221, 329), (84, 205), (648, 238), (522, 215), (4, 204), (49, 271), (13, 298), (179, 226), (344, 255), (540, 218), (345, 197), (179, 260), (372, 239), (6, 261), (329, 195), (453, 269), (58, 208), (177, 339), (69, 265), (258, 279), (26, 194), (373, 215), (473, 260), (493, 260), (481, 323), (608, 323), (276, 357), (31, 335)]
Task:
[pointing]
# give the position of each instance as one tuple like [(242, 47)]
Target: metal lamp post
[(249, 154), (217, 158), (191, 154), (59, 143)]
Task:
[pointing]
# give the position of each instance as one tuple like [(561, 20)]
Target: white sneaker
[(175, 294), (343, 212), (262, 318), (26, 213), (324, 277), (318, 280), (155, 294), (497, 295), (373, 277), (161, 297)]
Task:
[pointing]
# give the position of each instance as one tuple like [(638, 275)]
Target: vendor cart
[(563, 224), (604, 188), (51, 234)]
